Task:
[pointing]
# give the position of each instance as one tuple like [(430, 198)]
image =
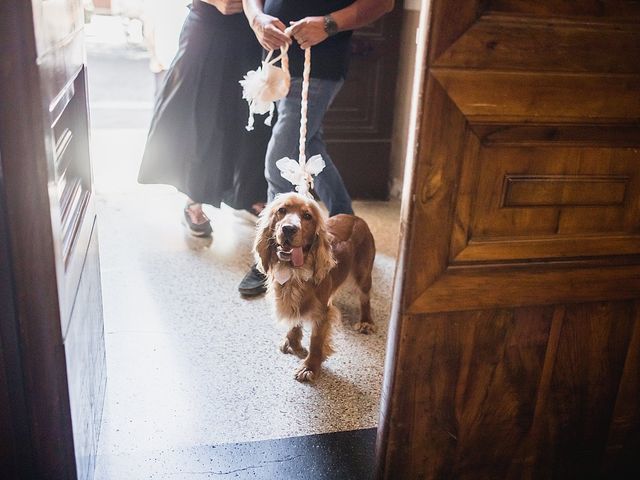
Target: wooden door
[(52, 332), (358, 125), (515, 339)]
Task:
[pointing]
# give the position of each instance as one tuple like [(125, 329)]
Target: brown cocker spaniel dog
[(306, 259)]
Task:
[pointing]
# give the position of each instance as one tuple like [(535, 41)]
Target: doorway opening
[(192, 366)]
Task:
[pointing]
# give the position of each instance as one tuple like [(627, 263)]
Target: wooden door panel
[(519, 97), (537, 191), (613, 10), (55, 21), (562, 191), (554, 202), (623, 442), (514, 347), (497, 371), (596, 135), (446, 145), (517, 110), (354, 114), (358, 125), (34, 347), (62, 72), (70, 175), (573, 419), (543, 44), (59, 48), (514, 393), (85, 359)]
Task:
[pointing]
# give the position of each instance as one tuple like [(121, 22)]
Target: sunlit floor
[(190, 363)]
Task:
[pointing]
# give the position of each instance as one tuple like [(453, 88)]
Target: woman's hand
[(226, 7), (308, 32), (270, 31)]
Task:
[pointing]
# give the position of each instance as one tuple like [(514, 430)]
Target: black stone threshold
[(330, 456), (339, 455)]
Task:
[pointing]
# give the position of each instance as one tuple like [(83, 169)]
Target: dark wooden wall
[(514, 349)]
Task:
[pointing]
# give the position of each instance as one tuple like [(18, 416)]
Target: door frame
[(408, 189)]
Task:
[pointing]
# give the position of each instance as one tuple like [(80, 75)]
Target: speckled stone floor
[(192, 363)]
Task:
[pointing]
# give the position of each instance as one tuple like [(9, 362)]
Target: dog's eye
[(307, 216), (282, 210)]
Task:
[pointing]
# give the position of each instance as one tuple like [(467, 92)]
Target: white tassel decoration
[(266, 85)]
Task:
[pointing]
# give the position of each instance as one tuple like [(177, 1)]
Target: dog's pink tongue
[(297, 258)]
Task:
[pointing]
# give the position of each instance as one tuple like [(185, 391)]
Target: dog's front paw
[(298, 351), (364, 327), (305, 374)]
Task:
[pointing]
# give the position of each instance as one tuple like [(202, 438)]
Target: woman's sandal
[(197, 229)]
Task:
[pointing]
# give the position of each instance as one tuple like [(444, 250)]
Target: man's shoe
[(254, 283)]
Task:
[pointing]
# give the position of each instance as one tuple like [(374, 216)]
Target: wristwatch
[(330, 25)]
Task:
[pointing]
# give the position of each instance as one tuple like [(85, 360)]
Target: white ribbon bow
[(301, 175)]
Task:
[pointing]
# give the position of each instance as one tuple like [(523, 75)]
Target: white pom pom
[(264, 86)]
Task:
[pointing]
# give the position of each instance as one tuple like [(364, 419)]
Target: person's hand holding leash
[(270, 31), (309, 31)]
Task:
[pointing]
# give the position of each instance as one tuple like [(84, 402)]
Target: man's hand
[(270, 32), (226, 7), (308, 32)]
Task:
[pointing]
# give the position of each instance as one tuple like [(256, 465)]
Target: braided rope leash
[(284, 63), (262, 88), (301, 173), (306, 73)]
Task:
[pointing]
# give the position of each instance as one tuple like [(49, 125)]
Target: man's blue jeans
[(285, 143)]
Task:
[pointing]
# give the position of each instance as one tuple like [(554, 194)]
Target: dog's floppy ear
[(263, 243), (324, 260)]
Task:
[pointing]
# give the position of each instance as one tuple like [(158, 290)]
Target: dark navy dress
[(197, 140)]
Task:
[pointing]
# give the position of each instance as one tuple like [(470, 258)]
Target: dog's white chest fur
[(288, 289), (282, 275), (283, 272)]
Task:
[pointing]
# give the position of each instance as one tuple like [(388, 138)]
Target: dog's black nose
[(289, 230)]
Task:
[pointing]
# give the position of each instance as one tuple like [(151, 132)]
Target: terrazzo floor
[(190, 363)]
